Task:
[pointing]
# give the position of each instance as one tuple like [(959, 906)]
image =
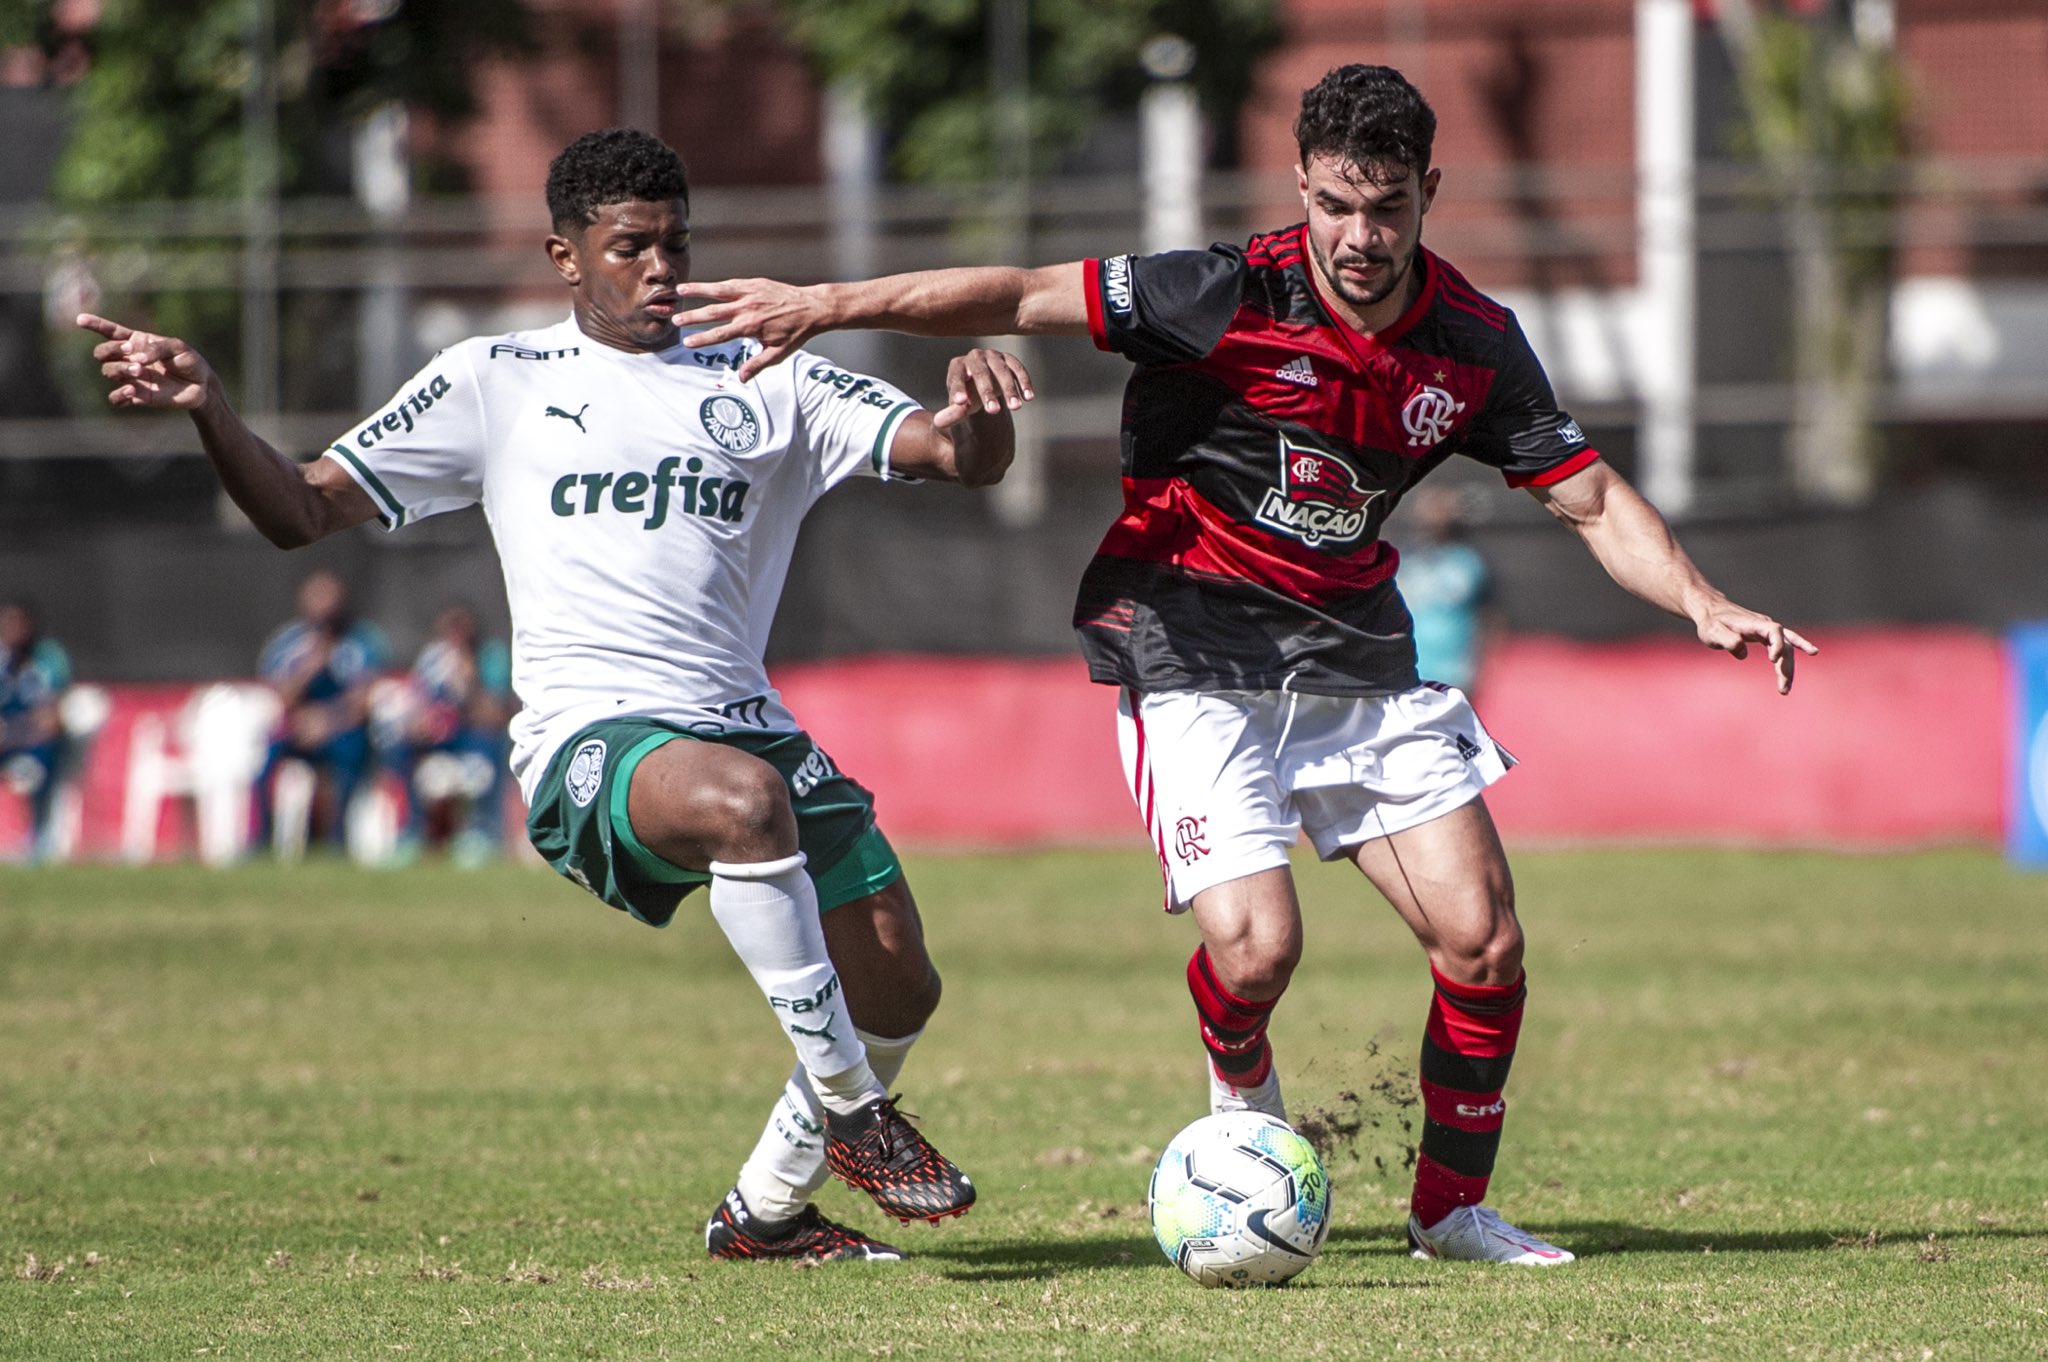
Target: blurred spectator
[(34, 674), (450, 744), (1448, 590), (321, 665)]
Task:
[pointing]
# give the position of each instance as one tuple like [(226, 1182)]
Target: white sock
[(787, 1166), (769, 912)]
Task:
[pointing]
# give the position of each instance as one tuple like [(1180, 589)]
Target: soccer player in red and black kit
[(1286, 394)]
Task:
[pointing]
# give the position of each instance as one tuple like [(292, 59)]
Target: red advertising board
[(1891, 737)]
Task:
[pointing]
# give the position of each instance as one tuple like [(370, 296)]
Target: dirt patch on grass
[(608, 1279), (34, 1269)]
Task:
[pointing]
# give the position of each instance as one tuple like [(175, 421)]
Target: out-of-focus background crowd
[(1786, 260)]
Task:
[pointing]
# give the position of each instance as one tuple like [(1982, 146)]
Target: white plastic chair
[(209, 753)]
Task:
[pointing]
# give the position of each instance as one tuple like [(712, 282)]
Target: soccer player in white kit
[(645, 503)]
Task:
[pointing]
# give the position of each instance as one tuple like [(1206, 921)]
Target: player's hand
[(780, 316), (983, 382), (1727, 627), (148, 370)]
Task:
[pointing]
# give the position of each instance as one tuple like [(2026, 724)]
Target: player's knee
[(1259, 968), (744, 807), (1490, 956), (1501, 960)]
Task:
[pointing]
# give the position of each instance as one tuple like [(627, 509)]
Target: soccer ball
[(1239, 1199)]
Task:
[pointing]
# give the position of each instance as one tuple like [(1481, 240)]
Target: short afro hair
[(612, 165), (1367, 115)]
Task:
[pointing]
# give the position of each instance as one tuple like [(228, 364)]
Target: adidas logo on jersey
[(1297, 370)]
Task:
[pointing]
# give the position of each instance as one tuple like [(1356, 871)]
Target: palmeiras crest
[(586, 772)]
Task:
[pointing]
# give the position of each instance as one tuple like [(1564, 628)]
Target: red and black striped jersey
[(1264, 443)]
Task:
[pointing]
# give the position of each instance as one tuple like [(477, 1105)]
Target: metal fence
[(384, 292)]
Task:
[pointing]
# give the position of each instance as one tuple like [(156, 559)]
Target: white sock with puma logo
[(768, 910)]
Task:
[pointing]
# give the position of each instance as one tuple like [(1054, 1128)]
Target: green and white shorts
[(579, 825)]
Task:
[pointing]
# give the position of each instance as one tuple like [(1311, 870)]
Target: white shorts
[(1227, 779)]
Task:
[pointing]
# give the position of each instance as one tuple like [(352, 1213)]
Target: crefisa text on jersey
[(850, 387), (715, 498), (400, 417)]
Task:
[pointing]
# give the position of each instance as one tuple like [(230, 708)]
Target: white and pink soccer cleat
[(1477, 1234)]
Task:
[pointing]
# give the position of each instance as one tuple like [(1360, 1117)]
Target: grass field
[(1781, 1105)]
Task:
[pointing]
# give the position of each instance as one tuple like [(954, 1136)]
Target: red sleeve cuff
[(1556, 473), (1091, 286)]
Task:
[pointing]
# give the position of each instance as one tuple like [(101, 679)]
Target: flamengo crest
[(1319, 498), (1427, 416)]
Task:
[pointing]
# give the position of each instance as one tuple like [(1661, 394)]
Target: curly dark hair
[(1367, 115), (612, 165)]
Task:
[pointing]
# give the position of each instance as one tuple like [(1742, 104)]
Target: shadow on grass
[(1596, 1238), (1017, 1261), (1020, 1260)]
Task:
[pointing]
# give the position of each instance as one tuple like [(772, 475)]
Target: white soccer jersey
[(645, 507)]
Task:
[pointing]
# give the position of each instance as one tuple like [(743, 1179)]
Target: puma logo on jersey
[(654, 496), (576, 416)]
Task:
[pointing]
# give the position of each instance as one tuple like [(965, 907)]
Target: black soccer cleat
[(736, 1232), (875, 1150)]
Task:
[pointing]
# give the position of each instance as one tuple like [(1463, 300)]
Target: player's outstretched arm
[(292, 504), (1636, 546), (984, 301), (972, 439)]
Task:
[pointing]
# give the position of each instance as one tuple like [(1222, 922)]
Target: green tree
[(159, 115), (1825, 113), (924, 67)]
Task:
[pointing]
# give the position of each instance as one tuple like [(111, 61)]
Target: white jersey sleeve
[(849, 419), (424, 452)]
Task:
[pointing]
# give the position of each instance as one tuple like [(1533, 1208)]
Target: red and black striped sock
[(1466, 1053), (1233, 1028)]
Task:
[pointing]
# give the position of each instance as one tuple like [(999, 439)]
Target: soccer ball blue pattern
[(1240, 1199)]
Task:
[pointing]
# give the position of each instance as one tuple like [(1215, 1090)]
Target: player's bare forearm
[(982, 301), (269, 488), (1638, 550), (1630, 540), (974, 301), (290, 505)]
